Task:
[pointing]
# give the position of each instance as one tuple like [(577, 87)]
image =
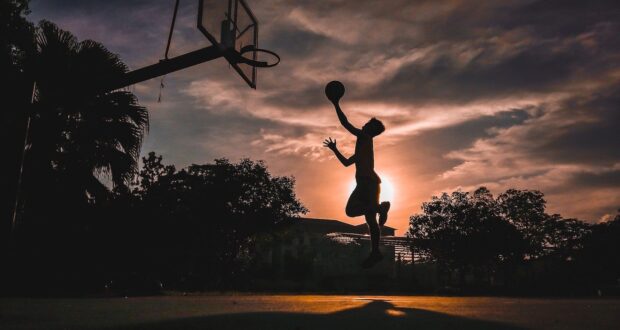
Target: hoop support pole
[(166, 66)]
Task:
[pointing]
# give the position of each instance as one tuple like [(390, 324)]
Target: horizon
[(470, 96)]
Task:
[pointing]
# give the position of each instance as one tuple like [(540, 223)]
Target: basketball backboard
[(230, 25)]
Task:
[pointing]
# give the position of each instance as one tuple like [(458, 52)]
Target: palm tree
[(83, 138)]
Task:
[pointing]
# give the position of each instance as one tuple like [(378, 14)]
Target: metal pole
[(167, 66), (21, 165), (174, 18)]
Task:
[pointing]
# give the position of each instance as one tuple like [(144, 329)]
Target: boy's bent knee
[(351, 212)]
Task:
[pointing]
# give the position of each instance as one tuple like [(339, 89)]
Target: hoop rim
[(239, 58)]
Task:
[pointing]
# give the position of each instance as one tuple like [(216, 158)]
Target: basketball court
[(271, 312)]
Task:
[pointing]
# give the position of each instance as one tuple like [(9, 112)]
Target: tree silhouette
[(199, 224), (153, 170), (513, 239), (525, 209), (17, 44), (82, 141), (599, 258), (465, 233), (565, 237), (79, 133)]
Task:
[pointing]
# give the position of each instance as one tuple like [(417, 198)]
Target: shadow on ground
[(377, 314)]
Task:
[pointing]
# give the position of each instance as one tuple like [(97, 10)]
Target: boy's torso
[(365, 158)]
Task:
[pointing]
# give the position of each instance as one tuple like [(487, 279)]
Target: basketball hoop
[(238, 57), (231, 26)]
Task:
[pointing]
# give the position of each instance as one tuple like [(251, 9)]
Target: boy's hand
[(331, 144)]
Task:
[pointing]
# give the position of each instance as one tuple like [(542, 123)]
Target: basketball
[(334, 90)]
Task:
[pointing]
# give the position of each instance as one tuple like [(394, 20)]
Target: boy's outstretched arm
[(345, 122), (331, 144)]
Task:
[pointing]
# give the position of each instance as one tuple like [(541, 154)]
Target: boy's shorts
[(365, 195)]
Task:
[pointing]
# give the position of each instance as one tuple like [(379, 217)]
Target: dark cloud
[(560, 18), (585, 130), (296, 43), (69, 6), (428, 149), (607, 179), (540, 66)]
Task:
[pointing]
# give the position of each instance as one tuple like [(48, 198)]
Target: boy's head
[(373, 127)]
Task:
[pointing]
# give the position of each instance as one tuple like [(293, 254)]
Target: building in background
[(324, 253)]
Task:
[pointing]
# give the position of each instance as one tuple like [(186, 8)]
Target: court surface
[(309, 312)]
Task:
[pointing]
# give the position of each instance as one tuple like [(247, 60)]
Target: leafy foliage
[(17, 43), (204, 218), (79, 132), (463, 231), (490, 237), (525, 209), (599, 257), (16, 35)]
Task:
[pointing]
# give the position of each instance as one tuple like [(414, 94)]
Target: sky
[(504, 94)]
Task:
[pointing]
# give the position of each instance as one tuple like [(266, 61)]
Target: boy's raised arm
[(345, 122), (331, 144)]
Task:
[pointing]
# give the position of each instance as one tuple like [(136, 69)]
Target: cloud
[(517, 93), (570, 148)]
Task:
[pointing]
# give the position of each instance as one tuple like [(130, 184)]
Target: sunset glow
[(387, 189)]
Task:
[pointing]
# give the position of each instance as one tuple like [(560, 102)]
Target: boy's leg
[(371, 199), (384, 208), (372, 207), (355, 205), (364, 198), (375, 255), (373, 228)]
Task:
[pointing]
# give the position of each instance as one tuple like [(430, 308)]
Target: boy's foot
[(372, 259), (384, 208)]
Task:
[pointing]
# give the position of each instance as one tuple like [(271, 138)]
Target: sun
[(387, 189)]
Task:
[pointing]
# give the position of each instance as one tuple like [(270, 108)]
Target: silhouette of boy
[(364, 200)]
